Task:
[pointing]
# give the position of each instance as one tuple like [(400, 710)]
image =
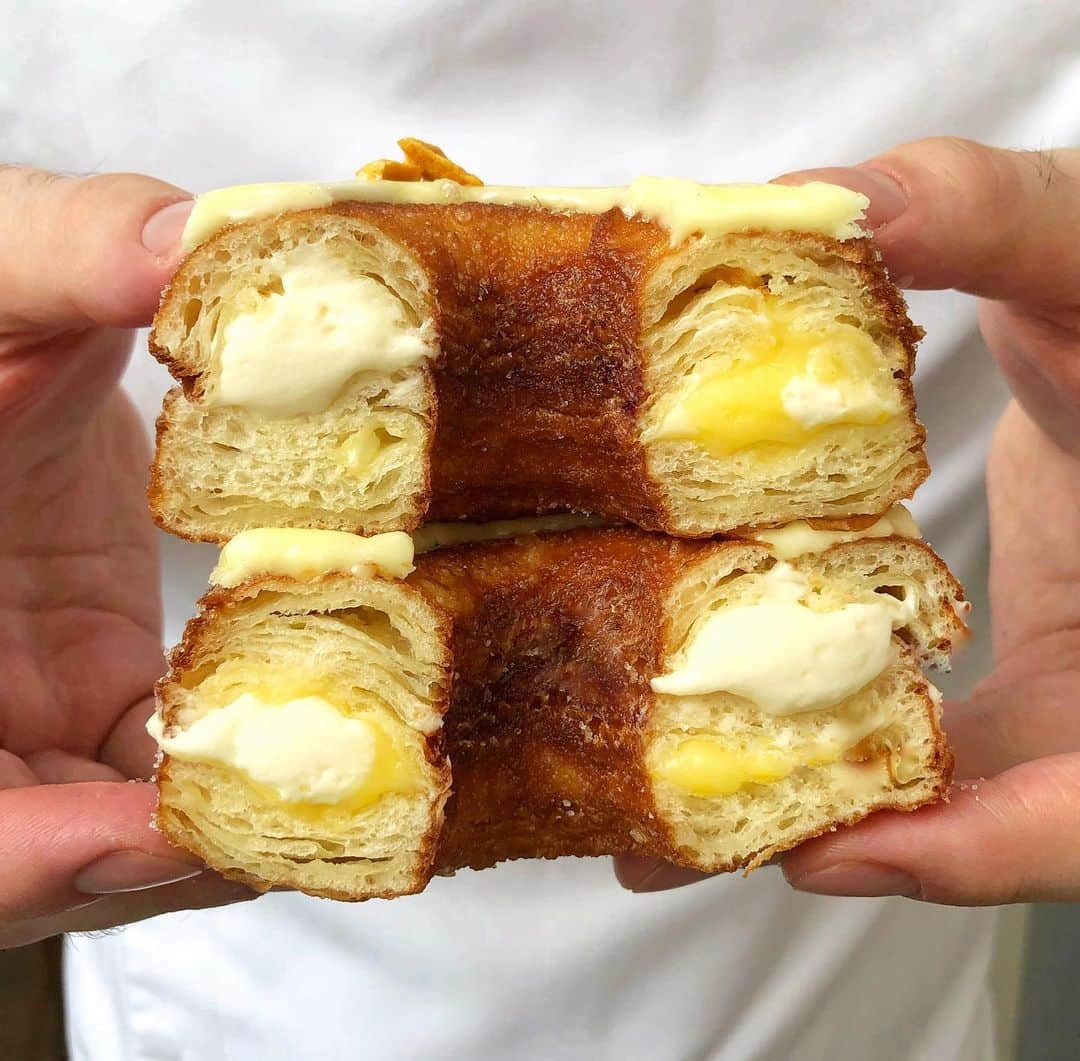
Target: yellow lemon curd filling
[(703, 766), (788, 383)]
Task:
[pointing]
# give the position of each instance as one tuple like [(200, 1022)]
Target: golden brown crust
[(539, 383), (165, 515)]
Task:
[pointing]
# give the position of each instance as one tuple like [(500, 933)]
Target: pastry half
[(370, 355), (587, 692), (304, 710)]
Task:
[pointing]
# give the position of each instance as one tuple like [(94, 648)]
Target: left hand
[(1002, 225), (81, 264)]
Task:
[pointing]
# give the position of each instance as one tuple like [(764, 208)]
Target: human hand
[(1002, 225), (81, 263)]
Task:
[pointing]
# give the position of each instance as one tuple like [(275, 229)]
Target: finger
[(109, 911), (128, 747), (956, 214), (56, 767), (1004, 726), (14, 773), (61, 845), (1009, 839), (79, 252), (639, 875), (1038, 350), (1033, 490)]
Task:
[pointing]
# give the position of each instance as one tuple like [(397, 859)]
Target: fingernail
[(888, 200), (665, 878), (161, 234), (640, 875), (857, 878), (631, 870), (242, 894), (132, 871)]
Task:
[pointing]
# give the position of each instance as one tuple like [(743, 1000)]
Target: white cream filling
[(782, 655), (811, 403), (282, 353), (305, 749)]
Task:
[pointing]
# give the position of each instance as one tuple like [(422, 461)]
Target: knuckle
[(111, 185), (93, 195), (968, 166)]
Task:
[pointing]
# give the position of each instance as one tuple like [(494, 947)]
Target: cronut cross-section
[(378, 653), (368, 366), (557, 695)]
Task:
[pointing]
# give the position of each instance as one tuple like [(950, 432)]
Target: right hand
[(81, 263), (1001, 225)]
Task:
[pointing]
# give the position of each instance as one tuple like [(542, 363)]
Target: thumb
[(76, 252), (998, 224), (1007, 839), (61, 846), (954, 213)]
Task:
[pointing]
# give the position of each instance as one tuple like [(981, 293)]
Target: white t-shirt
[(549, 960)]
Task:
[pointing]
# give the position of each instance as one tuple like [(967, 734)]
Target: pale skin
[(79, 596)]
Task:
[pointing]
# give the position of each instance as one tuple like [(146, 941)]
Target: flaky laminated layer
[(337, 441), (557, 736), (810, 354), (518, 361)]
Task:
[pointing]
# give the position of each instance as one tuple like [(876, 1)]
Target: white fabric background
[(549, 960)]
